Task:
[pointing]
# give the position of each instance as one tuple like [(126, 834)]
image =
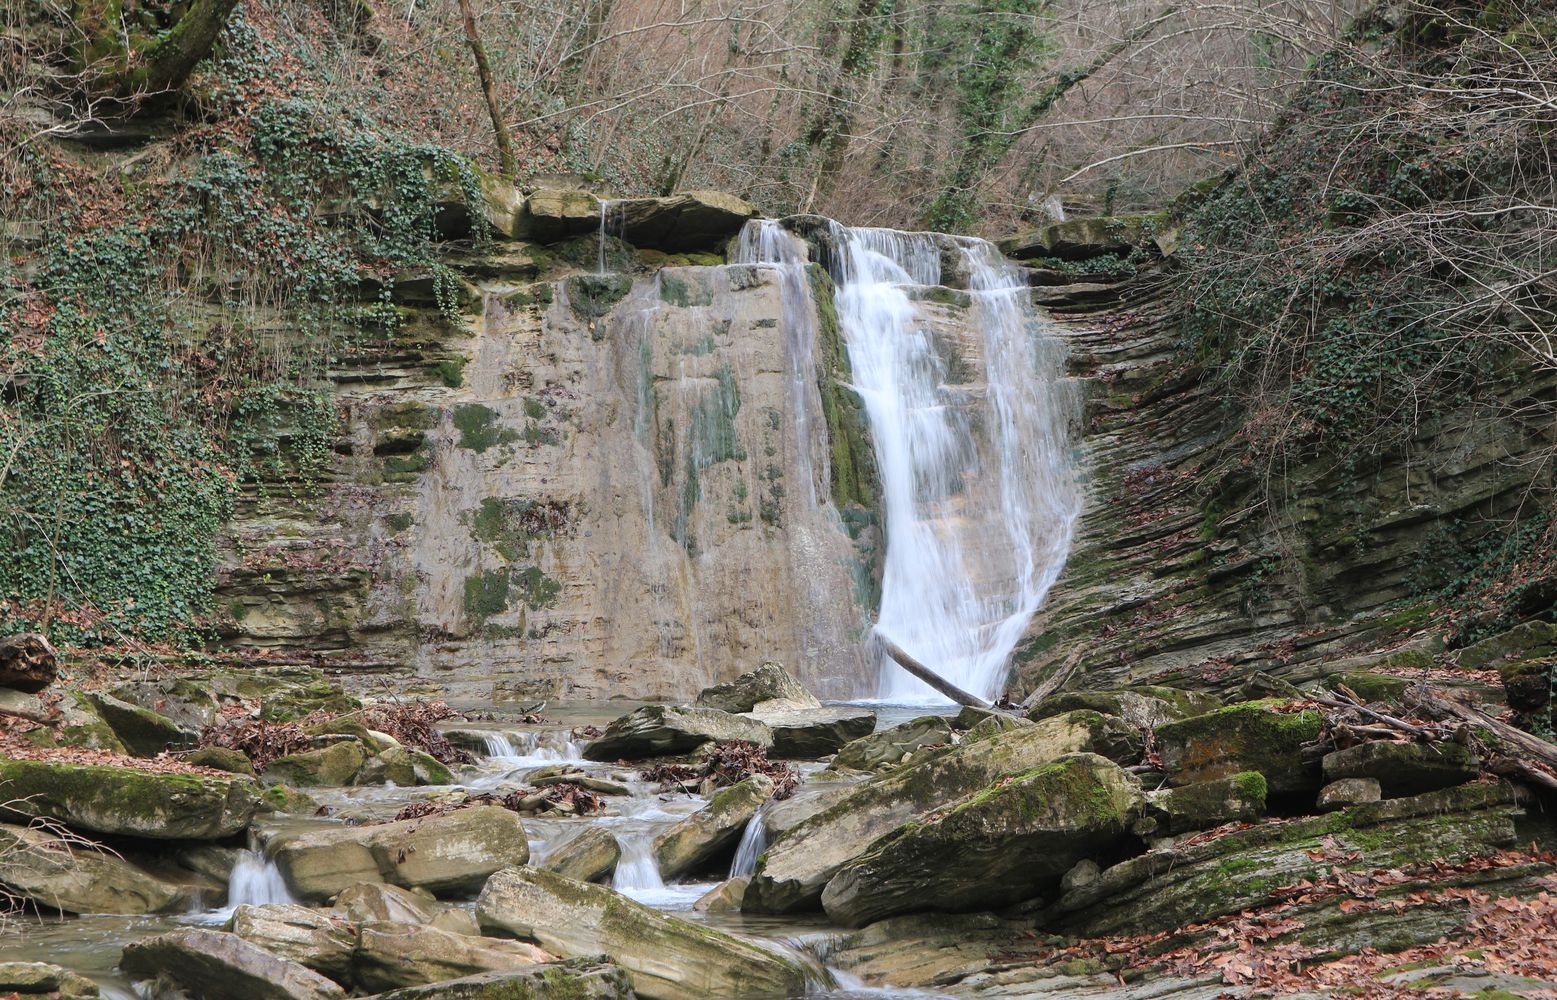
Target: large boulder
[(188, 702), (322, 941), (218, 965), (1206, 804), (102, 798), (143, 732), (550, 215), (800, 863), (1404, 768), (581, 980), (811, 733), (1250, 736), (328, 767), (681, 223), (74, 878), (713, 829), (75, 722), (379, 902), (30, 979), (1147, 705), (451, 853), (769, 682), (892, 747), (589, 857), (667, 958), (389, 956), (1000, 845), (661, 730), (1080, 239)]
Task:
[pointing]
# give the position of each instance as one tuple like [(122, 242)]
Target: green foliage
[(479, 428)]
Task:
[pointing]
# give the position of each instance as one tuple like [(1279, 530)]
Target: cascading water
[(256, 882), (636, 871), (754, 840), (976, 490)]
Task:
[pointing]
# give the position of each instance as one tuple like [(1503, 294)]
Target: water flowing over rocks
[(666, 957), (450, 853), (1000, 845), (713, 829)]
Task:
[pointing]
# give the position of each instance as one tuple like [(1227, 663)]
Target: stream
[(91, 944)]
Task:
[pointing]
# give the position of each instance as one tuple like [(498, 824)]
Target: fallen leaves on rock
[(562, 796), (19, 749)]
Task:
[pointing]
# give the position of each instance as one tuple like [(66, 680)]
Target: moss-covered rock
[(328, 767), (101, 798), (550, 215), (222, 759), (41, 978), (428, 770), (1530, 640), (713, 829), (295, 702), (769, 682), (1404, 768), (1369, 686), (1201, 806), (1146, 705), (288, 801), (392, 766), (1003, 844), (892, 747), (667, 958), (1080, 239), (1251, 736), (143, 732)]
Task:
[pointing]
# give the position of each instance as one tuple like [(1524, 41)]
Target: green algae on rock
[(103, 798)]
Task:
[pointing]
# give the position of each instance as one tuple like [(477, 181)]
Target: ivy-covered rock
[(1003, 844), (1206, 804), (769, 682), (124, 801), (55, 874), (209, 964), (451, 853), (589, 857), (1250, 736), (1404, 768), (328, 767), (801, 861), (666, 958), (713, 829), (660, 730), (891, 747)]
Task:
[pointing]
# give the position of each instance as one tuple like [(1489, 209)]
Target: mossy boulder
[(333, 766), (1008, 842), (43, 979), (1250, 736), (208, 963), (428, 770), (1081, 239), (451, 853), (580, 980), (392, 766), (714, 829), (292, 702), (665, 957), (1530, 640), (188, 702), (1527, 684), (1404, 768), (222, 759), (1370, 687), (1148, 705), (55, 874), (551, 214), (769, 682), (800, 862), (288, 801), (589, 857), (77, 723), (660, 730), (391, 955), (1201, 806), (892, 747), (813, 733), (123, 801), (143, 732)]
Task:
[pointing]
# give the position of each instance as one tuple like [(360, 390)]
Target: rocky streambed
[(757, 843)]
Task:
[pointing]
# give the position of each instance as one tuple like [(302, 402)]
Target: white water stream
[(976, 486)]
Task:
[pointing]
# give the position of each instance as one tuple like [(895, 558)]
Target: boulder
[(320, 940), (1348, 792), (811, 733), (213, 861), (1530, 640), (391, 955), (286, 702), (1146, 705), (800, 862), (681, 223), (379, 902), (1011, 841), (222, 759), (666, 958), (41, 978), (550, 215), (724, 897), (76, 722), (74, 878), (1404, 768), (143, 732), (660, 730), (712, 830), (329, 767), (993, 725), (581, 980), (890, 747), (28, 662), (451, 853), (102, 798), (429, 770), (1206, 804), (287, 801), (1080, 239), (769, 682), (392, 766), (218, 965), (1250, 736), (186, 701), (589, 857)]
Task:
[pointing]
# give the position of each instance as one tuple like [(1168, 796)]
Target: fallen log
[(28, 662), (901, 657), (1531, 747), (1054, 681)]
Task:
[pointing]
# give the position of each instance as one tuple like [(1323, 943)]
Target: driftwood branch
[(1531, 747), (930, 677), (1054, 681)]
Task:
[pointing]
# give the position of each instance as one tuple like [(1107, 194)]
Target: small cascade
[(605, 217), (754, 840), (637, 871), (500, 746), (256, 881)]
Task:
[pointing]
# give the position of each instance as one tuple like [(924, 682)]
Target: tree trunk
[(901, 657), (120, 60), (509, 166), (27, 663)]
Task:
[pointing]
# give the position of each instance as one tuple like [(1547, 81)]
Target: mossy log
[(117, 58)]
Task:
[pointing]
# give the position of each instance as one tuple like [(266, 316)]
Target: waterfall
[(637, 870), (977, 496), (499, 745), (754, 840), (256, 881)]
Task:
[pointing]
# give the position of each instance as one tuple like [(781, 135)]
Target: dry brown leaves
[(261, 741), (569, 797), (18, 749), (413, 723)]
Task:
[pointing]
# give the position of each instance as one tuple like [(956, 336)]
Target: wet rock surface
[(128, 802), (210, 964), (661, 730)]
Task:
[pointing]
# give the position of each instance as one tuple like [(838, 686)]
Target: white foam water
[(256, 881), (754, 840)]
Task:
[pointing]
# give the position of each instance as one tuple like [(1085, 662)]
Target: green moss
[(591, 296), (486, 594), (450, 371), (399, 522), (678, 292), (536, 588), (852, 463), (479, 429)]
